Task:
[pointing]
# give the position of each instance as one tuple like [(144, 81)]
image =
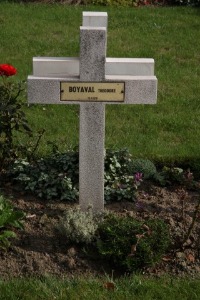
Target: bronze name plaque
[(92, 91)]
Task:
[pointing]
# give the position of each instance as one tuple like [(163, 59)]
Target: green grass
[(134, 287), (167, 131)]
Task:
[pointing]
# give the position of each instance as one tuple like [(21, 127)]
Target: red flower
[(7, 70)]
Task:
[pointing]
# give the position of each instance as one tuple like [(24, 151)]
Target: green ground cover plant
[(9, 220), (127, 243), (131, 244), (185, 2), (79, 227), (56, 176)]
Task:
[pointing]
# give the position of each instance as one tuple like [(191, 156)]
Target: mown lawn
[(169, 130), (134, 287)]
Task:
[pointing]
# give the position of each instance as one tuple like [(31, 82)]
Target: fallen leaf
[(166, 258), (30, 216), (182, 194), (146, 227), (109, 286), (139, 236), (149, 232), (190, 258), (133, 249)]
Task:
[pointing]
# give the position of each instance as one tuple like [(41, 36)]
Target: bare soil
[(39, 250)]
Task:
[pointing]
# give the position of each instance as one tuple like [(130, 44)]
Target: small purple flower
[(138, 177), (139, 205)]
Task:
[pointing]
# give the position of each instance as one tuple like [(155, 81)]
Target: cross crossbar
[(70, 66)]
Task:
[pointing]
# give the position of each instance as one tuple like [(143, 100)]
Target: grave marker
[(92, 81)]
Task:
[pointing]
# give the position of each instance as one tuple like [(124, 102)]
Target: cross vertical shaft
[(92, 121)]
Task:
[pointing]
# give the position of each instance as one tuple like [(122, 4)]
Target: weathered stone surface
[(91, 156), (69, 66), (95, 19), (56, 66), (92, 120), (130, 66), (138, 89), (92, 53)]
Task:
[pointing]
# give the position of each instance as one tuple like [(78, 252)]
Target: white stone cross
[(92, 81)]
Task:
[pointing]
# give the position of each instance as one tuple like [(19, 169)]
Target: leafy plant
[(185, 2), (111, 2), (121, 182), (132, 244), (56, 176), (144, 166), (12, 117), (9, 219), (170, 175), (78, 226)]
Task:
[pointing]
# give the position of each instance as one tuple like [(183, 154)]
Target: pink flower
[(138, 177)]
